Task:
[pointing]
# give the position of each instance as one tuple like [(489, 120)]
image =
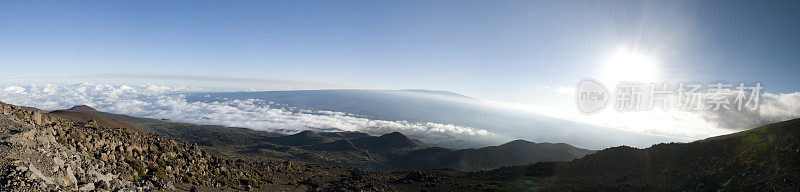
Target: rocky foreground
[(64, 151)]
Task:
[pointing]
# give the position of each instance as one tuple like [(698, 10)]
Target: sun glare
[(625, 66)]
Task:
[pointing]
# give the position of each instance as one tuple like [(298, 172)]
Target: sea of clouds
[(166, 101), (160, 101)]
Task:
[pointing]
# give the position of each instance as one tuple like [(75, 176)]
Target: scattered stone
[(87, 187), (38, 174)]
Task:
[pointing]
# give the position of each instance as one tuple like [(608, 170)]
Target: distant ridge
[(83, 108), (437, 92)]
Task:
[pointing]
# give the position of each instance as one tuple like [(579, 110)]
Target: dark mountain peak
[(621, 148), (522, 146), (394, 135), (82, 108), (400, 139), (518, 142), (388, 141)]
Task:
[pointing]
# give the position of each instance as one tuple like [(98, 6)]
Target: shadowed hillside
[(766, 158), (518, 152)]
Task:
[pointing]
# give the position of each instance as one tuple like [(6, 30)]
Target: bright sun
[(629, 67)]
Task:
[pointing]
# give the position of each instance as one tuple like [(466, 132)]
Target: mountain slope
[(762, 159)]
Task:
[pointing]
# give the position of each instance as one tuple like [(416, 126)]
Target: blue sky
[(498, 50)]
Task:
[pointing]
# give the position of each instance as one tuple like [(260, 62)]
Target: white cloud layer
[(14, 90), (774, 108), (158, 101)]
